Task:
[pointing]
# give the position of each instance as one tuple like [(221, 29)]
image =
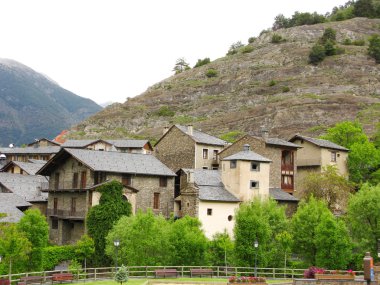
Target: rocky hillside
[(273, 86), (33, 106)]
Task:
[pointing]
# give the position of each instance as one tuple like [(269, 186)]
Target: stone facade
[(176, 150)]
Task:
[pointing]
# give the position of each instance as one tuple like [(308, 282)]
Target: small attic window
[(255, 166), (233, 164)]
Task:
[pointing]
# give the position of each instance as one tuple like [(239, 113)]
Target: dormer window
[(255, 166), (233, 164)]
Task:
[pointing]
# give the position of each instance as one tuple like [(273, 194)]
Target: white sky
[(108, 50)]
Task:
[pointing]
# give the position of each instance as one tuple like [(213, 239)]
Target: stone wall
[(176, 150)]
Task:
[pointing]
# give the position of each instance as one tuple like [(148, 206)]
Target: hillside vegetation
[(32, 106), (267, 83)]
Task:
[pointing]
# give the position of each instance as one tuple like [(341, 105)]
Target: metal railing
[(102, 273)]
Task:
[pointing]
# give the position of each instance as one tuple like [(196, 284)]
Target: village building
[(213, 196), (185, 147), (122, 145), (23, 154), (316, 154), (27, 168), (75, 175), (12, 207), (43, 142)]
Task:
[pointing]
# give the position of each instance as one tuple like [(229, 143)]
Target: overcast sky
[(113, 49)]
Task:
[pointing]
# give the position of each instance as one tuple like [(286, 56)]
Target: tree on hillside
[(33, 224), (102, 217), (317, 54), (363, 217), (364, 8), (234, 48), (328, 186), (188, 241), (374, 47), (144, 239), (346, 134), (261, 221), (181, 65)]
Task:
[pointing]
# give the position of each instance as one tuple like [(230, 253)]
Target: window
[(209, 212), (229, 218), (255, 166), (233, 164), (215, 167), (73, 205), (214, 154), (254, 184), (204, 167), (205, 153), (56, 180), (75, 180), (126, 180), (54, 224), (333, 156), (163, 181), (21, 171), (156, 201), (83, 179), (55, 209), (287, 180)]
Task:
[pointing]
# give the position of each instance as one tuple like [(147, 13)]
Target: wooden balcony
[(66, 186), (66, 214)]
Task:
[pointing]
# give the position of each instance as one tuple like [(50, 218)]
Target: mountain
[(267, 84), (33, 106)]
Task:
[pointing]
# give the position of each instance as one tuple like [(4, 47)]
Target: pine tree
[(121, 275)]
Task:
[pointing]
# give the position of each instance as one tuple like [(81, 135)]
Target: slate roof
[(210, 186), (201, 137), (128, 143), (26, 150), (281, 142), (26, 186), (320, 142), (8, 205), (28, 167), (117, 162), (280, 195), (247, 155), (78, 143), (43, 139)]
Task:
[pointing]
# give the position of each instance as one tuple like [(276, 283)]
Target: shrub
[(347, 42), (374, 47), (285, 89), (53, 255), (164, 111), (328, 34), (247, 49), (317, 54), (276, 38), (272, 83), (330, 48), (234, 48), (201, 62), (251, 40), (211, 73), (358, 42)]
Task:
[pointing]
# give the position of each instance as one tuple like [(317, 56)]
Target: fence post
[(292, 273), (274, 272), (182, 271), (94, 273), (217, 271)]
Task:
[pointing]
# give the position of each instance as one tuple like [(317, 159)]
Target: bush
[(317, 54), (347, 42), (285, 89), (374, 47), (328, 34), (358, 42), (201, 62), (330, 48), (234, 48), (272, 83), (251, 40), (276, 38), (164, 111), (211, 73), (53, 255), (247, 49)]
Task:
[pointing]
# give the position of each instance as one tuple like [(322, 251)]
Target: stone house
[(75, 175), (43, 142), (26, 168), (184, 147), (27, 187), (282, 153), (214, 195), (12, 206), (315, 154), (130, 146), (24, 154)]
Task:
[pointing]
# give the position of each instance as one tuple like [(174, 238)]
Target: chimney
[(246, 148), (165, 130), (190, 130), (264, 132), (190, 177)]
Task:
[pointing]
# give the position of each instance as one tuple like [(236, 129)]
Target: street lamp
[(116, 243), (1, 258), (256, 244)]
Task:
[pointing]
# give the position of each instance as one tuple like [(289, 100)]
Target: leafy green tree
[(376, 136), (34, 226), (363, 217), (181, 65), (188, 241), (364, 8), (221, 250), (144, 239), (330, 48), (332, 243), (261, 221), (14, 248), (121, 275), (328, 34), (317, 54), (201, 62), (346, 134), (102, 217), (285, 242), (85, 248), (363, 160), (304, 228), (280, 22), (328, 186), (374, 47), (234, 48)]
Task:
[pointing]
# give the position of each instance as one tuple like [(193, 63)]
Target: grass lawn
[(169, 280)]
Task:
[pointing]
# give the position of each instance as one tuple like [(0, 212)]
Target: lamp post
[(116, 243), (256, 245)]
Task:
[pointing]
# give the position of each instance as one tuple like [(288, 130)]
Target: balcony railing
[(66, 214), (67, 186)]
